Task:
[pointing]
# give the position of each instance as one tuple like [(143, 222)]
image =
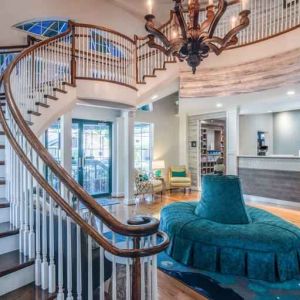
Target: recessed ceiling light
[(291, 93), (219, 105), (154, 97), (270, 111)]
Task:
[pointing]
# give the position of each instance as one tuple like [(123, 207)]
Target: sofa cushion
[(222, 200)]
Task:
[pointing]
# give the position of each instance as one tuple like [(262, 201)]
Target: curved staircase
[(56, 241)]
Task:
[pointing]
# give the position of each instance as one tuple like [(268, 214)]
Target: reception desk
[(271, 177)]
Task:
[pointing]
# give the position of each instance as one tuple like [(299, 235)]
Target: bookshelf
[(212, 137)]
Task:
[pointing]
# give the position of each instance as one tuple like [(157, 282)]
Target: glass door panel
[(76, 152), (91, 155)]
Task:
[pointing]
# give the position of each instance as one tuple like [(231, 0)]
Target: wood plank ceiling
[(260, 75)]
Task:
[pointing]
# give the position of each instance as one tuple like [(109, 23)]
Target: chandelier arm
[(210, 14), (221, 10), (178, 9)]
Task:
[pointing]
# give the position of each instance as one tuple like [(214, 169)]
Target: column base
[(131, 201)]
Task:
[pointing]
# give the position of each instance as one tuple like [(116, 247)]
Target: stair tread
[(4, 203), (29, 292), (6, 229), (13, 261)]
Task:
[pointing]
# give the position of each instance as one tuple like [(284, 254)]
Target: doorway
[(92, 156)]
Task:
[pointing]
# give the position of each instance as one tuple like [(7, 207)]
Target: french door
[(91, 155)]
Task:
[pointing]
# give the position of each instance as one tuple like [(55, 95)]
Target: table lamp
[(157, 166)]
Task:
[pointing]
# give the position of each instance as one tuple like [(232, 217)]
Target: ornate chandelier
[(192, 40)]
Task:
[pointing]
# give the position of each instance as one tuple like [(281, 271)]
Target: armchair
[(147, 184), (180, 177)]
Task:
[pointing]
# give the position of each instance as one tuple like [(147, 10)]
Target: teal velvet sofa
[(264, 247)]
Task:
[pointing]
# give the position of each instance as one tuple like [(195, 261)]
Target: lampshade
[(158, 164)]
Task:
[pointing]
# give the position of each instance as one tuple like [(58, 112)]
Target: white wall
[(286, 133), (98, 12), (95, 113), (166, 129), (249, 126)]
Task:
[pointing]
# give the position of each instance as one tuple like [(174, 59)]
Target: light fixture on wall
[(192, 40), (158, 166), (291, 93)]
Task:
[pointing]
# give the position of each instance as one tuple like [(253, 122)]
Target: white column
[(66, 141), (183, 159), (118, 154), (232, 140), (128, 157)]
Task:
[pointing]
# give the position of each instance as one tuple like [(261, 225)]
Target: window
[(99, 43), (143, 139), (45, 28), (5, 60), (53, 145), (146, 107)]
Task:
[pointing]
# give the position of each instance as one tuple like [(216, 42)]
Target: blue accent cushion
[(266, 249), (222, 200)]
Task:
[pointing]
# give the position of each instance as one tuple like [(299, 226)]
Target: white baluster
[(69, 252), (90, 263), (31, 236), (78, 266), (60, 294), (38, 260), (52, 267), (44, 266)]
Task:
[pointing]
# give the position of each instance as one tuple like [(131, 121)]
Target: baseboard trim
[(118, 195), (271, 201)]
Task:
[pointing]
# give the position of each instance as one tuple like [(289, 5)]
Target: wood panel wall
[(281, 185)]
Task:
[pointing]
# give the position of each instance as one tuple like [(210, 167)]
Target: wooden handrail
[(151, 227), (88, 229)]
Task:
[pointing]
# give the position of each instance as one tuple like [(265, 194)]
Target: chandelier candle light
[(192, 40)]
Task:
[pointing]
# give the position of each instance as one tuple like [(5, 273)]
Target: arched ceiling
[(98, 12), (259, 75)]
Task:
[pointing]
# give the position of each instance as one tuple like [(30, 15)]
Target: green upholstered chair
[(256, 244)]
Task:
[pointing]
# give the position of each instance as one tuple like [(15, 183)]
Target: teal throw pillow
[(179, 174)]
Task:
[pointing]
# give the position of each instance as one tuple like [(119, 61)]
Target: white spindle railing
[(61, 227), (104, 55), (73, 248)]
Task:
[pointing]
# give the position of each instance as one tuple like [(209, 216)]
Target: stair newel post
[(136, 284), (137, 287), (73, 54)]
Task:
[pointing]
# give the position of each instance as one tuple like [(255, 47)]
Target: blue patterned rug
[(224, 287)]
